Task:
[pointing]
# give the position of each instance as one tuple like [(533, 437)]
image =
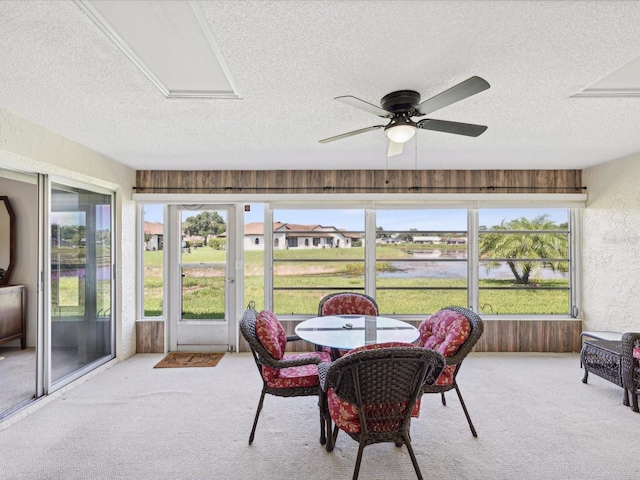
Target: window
[(302, 274), (413, 260), (152, 260), (524, 261), (497, 261), (421, 260)]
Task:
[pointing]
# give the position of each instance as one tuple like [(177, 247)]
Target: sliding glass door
[(81, 329)]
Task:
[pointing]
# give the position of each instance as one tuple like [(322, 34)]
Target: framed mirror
[(7, 240)]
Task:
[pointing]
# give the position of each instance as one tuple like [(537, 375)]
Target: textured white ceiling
[(290, 59)]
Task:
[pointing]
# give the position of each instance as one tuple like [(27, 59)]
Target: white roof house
[(427, 240), (289, 235)]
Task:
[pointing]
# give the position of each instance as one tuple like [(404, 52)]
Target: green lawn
[(203, 296)]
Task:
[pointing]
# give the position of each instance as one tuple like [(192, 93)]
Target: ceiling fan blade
[(395, 148), (465, 89), (468, 129), (350, 134), (362, 105)]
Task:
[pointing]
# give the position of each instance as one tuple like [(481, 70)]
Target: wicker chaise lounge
[(616, 361)]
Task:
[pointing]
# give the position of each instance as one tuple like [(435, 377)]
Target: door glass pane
[(153, 254), (81, 328), (203, 260)]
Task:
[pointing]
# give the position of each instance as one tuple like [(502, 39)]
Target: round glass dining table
[(345, 332)]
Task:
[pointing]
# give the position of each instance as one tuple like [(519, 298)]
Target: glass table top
[(352, 331)]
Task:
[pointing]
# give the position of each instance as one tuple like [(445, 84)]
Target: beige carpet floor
[(534, 416)]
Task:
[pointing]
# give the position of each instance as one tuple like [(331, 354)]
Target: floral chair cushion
[(374, 346), (636, 353), (346, 415), (348, 304), (271, 334), (300, 376), (444, 332)]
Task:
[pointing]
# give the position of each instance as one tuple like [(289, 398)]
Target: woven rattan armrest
[(323, 368), (284, 363)]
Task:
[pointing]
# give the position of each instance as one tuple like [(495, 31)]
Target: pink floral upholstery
[(301, 376), (374, 346), (444, 332), (271, 334), (346, 415), (636, 353), (348, 304)]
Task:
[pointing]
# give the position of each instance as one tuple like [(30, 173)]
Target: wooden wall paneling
[(531, 337), (350, 181), (555, 336), (566, 336), (150, 336), (498, 336)]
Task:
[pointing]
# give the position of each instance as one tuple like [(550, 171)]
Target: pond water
[(450, 268)]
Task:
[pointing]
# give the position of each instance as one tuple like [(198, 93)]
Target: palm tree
[(526, 245)]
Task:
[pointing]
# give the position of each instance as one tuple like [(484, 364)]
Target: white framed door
[(202, 282)]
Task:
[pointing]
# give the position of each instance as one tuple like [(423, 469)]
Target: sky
[(431, 219)]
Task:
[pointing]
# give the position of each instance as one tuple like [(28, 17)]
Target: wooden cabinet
[(12, 318)]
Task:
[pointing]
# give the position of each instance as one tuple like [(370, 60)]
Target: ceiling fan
[(402, 105)]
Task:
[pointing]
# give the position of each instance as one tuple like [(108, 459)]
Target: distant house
[(195, 240), (427, 240), (456, 241), (388, 240), (153, 235), (289, 235)]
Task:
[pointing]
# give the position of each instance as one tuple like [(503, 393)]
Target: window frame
[(571, 259), (473, 260), (574, 202), (140, 263)]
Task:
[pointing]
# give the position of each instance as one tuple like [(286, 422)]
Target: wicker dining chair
[(370, 393), (345, 303), (292, 375), (452, 331)]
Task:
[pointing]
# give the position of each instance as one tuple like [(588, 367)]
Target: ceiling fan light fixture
[(401, 133)]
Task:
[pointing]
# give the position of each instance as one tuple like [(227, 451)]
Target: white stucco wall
[(28, 147), (611, 246)]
